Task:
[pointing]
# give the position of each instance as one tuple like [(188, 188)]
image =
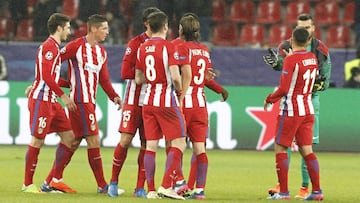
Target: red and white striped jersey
[(87, 68), (154, 58), (47, 72), (198, 57), (296, 84), (134, 94)]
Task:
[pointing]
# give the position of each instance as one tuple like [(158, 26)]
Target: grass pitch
[(233, 176)]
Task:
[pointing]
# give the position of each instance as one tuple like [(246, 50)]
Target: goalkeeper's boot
[(61, 186), (181, 188), (30, 189), (274, 190), (280, 196), (303, 192), (46, 188), (315, 196)]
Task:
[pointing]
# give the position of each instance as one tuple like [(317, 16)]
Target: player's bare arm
[(139, 77)]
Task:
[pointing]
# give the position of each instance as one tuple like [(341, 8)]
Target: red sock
[(120, 154), (62, 158), (192, 174), (312, 165), (202, 166), (31, 159), (173, 161), (141, 178), (95, 162), (282, 168), (149, 165)]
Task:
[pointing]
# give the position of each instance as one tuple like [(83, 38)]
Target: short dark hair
[(147, 12), (305, 17), (55, 20), (300, 35), (95, 20), (157, 20)]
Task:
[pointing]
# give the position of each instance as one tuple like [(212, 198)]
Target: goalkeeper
[(275, 60)]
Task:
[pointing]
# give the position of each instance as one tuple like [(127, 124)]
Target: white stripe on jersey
[(157, 93), (300, 103), (188, 97), (147, 93), (131, 93), (291, 91), (90, 75), (142, 94), (200, 97), (82, 75)]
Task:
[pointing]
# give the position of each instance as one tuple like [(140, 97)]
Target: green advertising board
[(238, 123)]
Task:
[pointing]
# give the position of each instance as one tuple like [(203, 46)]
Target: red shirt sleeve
[(46, 72), (214, 86), (285, 80), (129, 61)]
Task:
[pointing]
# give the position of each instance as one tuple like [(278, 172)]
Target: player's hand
[(271, 59), (28, 90), (319, 84), (266, 104), (70, 104), (210, 74), (224, 94), (117, 100)]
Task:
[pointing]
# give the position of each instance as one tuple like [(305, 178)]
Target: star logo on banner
[(267, 119)]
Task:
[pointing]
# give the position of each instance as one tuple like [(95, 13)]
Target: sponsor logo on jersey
[(40, 130), (92, 127), (125, 124)]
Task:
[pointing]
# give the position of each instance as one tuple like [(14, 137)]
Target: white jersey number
[(202, 65), (309, 77), (150, 68)]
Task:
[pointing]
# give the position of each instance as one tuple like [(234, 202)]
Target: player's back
[(154, 58), (303, 68), (198, 57)]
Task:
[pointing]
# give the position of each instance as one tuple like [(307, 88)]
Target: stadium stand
[(338, 36), (219, 8), (326, 13), (294, 9), (348, 13), (70, 8), (279, 33), (225, 34), (25, 30), (242, 11), (268, 12), (252, 35)]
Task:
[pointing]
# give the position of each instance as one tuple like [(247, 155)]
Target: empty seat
[(294, 9), (348, 14), (71, 8), (6, 28), (225, 34), (338, 36), (326, 13), (25, 30), (252, 35), (218, 10), (268, 12), (279, 33), (242, 11)]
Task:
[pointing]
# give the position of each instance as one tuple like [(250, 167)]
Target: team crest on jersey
[(49, 55), (128, 51), (40, 130), (176, 55), (92, 127)]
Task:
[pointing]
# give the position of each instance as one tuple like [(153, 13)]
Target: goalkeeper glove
[(271, 59), (319, 84)]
